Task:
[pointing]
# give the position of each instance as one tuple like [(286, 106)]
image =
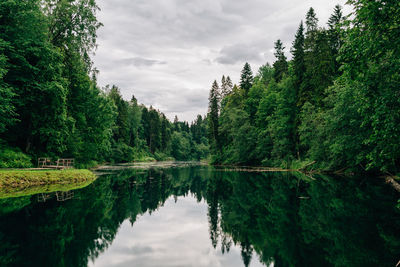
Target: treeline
[(50, 104), (139, 132), (336, 102)]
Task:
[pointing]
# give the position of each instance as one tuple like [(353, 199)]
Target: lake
[(205, 216)]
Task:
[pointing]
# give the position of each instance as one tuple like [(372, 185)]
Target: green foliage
[(213, 117), (298, 61), (50, 104), (14, 158), (280, 65), (246, 78), (35, 77), (73, 25), (180, 146), (7, 109), (336, 102)]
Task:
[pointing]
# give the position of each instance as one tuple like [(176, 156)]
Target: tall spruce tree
[(280, 65), (297, 51), (319, 63), (224, 87), (335, 30), (246, 78), (311, 21), (213, 117), (229, 84)]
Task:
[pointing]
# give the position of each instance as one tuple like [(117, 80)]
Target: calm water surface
[(200, 216)]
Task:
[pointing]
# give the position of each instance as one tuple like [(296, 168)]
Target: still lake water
[(202, 216)]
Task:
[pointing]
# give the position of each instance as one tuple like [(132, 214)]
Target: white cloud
[(168, 52)]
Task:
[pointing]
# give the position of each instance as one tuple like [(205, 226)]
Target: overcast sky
[(168, 52)]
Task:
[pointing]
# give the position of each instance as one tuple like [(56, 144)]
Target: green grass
[(29, 178)]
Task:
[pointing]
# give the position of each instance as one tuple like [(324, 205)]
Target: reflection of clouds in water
[(175, 235)]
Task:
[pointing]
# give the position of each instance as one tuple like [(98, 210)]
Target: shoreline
[(18, 182)]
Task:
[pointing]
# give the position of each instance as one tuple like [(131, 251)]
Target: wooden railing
[(47, 163)]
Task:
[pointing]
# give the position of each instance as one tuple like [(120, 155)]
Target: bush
[(160, 156), (122, 153), (14, 158)]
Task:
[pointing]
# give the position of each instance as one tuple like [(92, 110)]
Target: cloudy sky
[(168, 52)]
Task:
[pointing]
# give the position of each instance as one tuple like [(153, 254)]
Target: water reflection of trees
[(283, 218), (290, 222)]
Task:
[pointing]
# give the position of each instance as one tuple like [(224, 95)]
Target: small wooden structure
[(43, 162), (46, 163)]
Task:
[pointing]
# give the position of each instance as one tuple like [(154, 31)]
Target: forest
[(51, 105), (334, 105)]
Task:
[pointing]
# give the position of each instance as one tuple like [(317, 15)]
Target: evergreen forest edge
[(51, 105), (335, 106), (335, 103)]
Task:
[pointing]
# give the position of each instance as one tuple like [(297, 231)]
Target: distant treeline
[(336, 102), (50, 104)]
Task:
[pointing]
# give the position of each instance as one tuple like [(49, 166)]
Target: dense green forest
[(336, 102), (51, 106)]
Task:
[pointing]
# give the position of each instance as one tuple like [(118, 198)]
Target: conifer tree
[(165, 133), (246, 78), (176, 123), (334, 33), (229, 84), (224, 88), (319, 63), (280, 65), (311, 21), (213, 116), (297, 51)]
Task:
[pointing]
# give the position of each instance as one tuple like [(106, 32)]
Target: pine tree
[(334, 33), (229, 84), (176, 123), (213, 117), (280, 65), (224, 88), (165, 133), (319, 63), (297, 51), (311, 21), (246, 78)]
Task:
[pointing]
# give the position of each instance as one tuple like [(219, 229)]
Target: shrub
[(14, 158)]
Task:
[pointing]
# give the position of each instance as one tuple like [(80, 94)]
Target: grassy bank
[(30, 178), (14, 192)]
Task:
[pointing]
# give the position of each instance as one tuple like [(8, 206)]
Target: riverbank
[(30, 178), (148, 165)]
